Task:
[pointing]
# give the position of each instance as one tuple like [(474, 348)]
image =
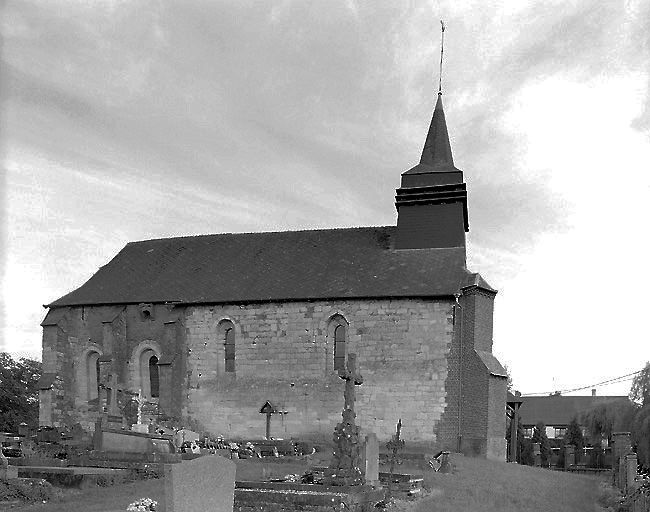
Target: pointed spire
[(437, 150)]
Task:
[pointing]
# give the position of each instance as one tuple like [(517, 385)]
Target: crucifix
[(113, 406), (268, 409), (352, 378), (345, 463)]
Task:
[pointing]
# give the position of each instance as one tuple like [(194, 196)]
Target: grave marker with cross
[(346, 461), (268, 409)]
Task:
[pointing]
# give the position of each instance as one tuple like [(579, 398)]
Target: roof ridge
[(206, 235)]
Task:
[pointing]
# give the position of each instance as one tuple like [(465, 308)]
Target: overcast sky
[(129, 120)]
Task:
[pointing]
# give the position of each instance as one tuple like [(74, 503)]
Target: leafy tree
[(18, 392), (610, 417), (640, 391), (539, 436), (640, 394), (574, 435)]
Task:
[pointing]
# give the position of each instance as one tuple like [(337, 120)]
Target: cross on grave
[(352, 378), (345, 465), (268, 409), (113, 408)]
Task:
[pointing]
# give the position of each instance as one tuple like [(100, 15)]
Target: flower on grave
[(143, 505)]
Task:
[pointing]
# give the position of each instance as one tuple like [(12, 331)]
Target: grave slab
[(206, 483)]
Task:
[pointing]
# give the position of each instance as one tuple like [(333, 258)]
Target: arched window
[(149, 381), (92, 375), (339, 347), (153, 377), (229, 344)]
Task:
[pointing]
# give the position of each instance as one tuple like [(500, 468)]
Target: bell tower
[(432, 200)]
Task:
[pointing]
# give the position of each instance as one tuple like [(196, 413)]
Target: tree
[(539, 436), (610, 417), (18, 392), (574, 435), (640, 394), (640, 391), (509, 381)]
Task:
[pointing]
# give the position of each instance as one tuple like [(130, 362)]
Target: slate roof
[(491, 363), (275, 266), (557, 410)]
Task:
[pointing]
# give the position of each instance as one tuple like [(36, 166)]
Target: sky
[(130, 120)]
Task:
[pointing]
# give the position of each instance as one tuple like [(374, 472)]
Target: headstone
[(199, 485), (346, 461), (569, 456), (371, 456)]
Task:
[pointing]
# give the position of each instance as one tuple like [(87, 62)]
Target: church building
[(210, 328)]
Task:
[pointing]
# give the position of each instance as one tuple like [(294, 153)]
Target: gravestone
[(113, 418), (371, 456), (200, 485), (346, 461)]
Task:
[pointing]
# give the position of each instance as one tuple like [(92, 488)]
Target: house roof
[(287, 265), (560, 410)]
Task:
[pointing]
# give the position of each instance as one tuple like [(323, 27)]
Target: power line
[(622, 378)]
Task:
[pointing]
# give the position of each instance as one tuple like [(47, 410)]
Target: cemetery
[(199, 471), (214, 473)]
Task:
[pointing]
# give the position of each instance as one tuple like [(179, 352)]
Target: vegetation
[(573, 435), (18, 392), (640, 395), (624, 416), (489, 486)]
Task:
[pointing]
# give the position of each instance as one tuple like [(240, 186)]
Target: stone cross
[(352, 378), (114, 408), (346, 460)]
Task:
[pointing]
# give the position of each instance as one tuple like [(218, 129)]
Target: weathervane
[(442, 49)]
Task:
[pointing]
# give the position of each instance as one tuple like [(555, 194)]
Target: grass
[(475, 485), (479, 485)]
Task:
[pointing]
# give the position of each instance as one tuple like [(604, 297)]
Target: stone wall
[(416, 355), (117, 334), (285, 354)]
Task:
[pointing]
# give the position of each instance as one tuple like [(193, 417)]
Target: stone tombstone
[(569, 456), (371, 458), (203, 484)]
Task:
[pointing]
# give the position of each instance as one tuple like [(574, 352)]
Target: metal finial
[(442, 49)]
